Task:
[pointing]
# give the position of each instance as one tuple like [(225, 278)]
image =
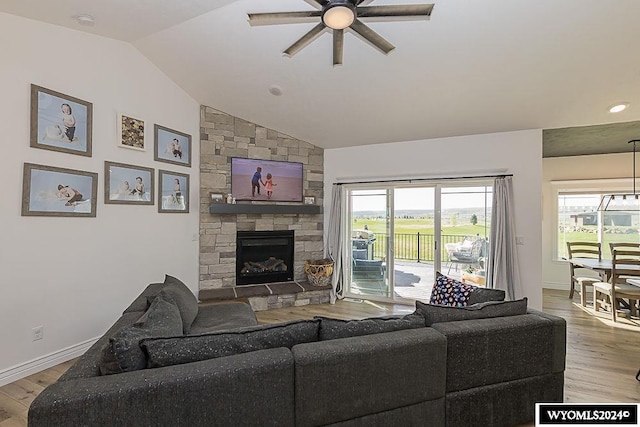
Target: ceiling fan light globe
[(338, 17)]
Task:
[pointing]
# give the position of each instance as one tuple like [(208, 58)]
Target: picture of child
[(177, 192), (256, 180), (125, 188), (266, 173), (68, 121), (73, 195), (139, 188), (268, 185), (60, 122), (175, 148)]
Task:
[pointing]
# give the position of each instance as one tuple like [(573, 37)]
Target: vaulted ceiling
[(474, 67)]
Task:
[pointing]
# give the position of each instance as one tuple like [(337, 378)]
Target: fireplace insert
[(264, 257)]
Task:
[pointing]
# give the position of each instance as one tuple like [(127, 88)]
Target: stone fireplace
[(264, 256), (222, 137)]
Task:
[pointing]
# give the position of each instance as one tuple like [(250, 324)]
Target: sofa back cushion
[(450, 292), (123, 353), (191, 348), (481, 294), (484, 310), (331, 329), (185, 300)]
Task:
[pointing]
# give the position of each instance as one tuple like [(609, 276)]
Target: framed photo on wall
[(60, 122), (128, 184), (173, 192), (52, 191), (171, 146), (131, 132)]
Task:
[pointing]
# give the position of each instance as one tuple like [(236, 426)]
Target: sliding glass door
[(401, 234), (370, 242)]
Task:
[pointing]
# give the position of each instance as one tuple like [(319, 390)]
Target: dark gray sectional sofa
[(424, 369)]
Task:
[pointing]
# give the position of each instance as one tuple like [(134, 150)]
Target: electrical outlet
[(519, 240), (38, 333)]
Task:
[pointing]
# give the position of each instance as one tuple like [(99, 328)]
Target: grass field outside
[(414, 237), (611, 235)]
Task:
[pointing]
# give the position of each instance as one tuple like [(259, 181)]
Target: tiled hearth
[(272, 295)]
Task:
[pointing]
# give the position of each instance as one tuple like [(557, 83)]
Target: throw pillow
[(331, 329), (191, 348), (440, 313), (123, 352), (185, 300), (448, 291)]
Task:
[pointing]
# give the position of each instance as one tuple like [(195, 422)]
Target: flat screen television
[(266, 180)]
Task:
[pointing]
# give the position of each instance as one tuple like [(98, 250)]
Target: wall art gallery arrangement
[(63, 123)]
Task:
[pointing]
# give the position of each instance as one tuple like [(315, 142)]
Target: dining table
[(604, 267), (601, 266)]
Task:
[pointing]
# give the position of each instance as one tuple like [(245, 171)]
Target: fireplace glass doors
[(264, 257)]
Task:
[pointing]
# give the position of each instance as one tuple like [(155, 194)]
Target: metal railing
[(414, 247)]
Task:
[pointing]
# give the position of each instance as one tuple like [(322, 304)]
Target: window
[(579, 220)]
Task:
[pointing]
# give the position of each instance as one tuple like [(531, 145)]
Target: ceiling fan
[(341, 15)]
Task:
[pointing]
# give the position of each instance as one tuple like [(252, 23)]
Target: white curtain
[(503, 271), (333, 248)]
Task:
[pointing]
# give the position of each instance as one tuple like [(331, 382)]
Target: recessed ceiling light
[(618, 107), (86, 20), (275, 90)]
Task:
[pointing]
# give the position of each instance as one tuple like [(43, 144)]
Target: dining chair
[(625, 263), (582, 277)]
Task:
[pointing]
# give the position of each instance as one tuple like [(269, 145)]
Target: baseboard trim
[(41, 363)]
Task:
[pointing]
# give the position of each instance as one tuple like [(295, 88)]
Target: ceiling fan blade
[(275, 18), (363, 2), (397, 13), (318, 4), (303, 41), (372, 37), (338, 46)]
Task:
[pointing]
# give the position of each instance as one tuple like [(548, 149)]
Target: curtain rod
[(422, 179)]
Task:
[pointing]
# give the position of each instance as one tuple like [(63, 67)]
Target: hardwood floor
[(602, 357)]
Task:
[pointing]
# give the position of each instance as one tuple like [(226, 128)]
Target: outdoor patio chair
[(473, 257), (580, 276)]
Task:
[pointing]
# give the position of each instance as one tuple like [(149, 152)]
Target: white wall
[(74, 276), (555, 274), (519, 153)]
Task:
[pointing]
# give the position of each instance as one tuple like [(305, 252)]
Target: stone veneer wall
[(222, 137)]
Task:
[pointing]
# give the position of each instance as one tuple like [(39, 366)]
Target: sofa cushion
[(481, 294), (345, 379), (331, 329), (144, 300), (185, 300), (484, 310), (223, 317), (123, 353), (450, 292), (492, 351), (191, 348)]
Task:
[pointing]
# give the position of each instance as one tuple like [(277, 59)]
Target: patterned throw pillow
[(450, 292)]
